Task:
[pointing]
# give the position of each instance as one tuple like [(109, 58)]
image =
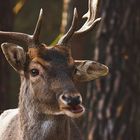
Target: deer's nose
[(71, 100)]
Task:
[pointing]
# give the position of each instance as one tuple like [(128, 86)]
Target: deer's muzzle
[(71, 105)]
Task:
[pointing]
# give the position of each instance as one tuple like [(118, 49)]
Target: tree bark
[(113, 102)]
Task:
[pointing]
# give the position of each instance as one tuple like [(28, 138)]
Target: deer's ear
[(87, 70), (15, 55)]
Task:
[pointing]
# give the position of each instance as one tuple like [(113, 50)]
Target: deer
[(49, 101)]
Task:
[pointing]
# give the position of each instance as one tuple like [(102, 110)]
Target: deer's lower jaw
[(73, 111)]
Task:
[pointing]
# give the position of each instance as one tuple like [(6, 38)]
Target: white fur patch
[(46, 126), (5, 119)]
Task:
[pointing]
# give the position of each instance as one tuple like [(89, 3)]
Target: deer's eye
[(34, 72)]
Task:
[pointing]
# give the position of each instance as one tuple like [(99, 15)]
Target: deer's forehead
[(55, 56), (51, 56)]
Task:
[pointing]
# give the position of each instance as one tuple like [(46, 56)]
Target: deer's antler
[(64, 39), (36, 34), (88, 25), (22, 38)]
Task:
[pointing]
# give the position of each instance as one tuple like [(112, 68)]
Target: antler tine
[(88, 25), (15, 37), (90, 15), (37, 30), (64, 39), (22, 38)]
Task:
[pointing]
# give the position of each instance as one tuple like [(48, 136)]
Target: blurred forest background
[(112, 102)]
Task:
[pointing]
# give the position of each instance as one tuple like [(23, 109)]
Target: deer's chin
[(73, 111)]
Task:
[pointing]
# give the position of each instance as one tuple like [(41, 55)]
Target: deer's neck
[(35, 125)]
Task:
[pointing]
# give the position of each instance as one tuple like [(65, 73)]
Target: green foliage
[(56, 40)]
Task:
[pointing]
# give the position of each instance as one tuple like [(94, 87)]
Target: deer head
[(50, 72)]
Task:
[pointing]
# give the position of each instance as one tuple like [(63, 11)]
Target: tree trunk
[(113, 102), (6, 24)]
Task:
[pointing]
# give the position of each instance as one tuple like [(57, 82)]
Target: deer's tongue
[(75, 109)]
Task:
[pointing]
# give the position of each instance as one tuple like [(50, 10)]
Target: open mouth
[(74, 109)]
